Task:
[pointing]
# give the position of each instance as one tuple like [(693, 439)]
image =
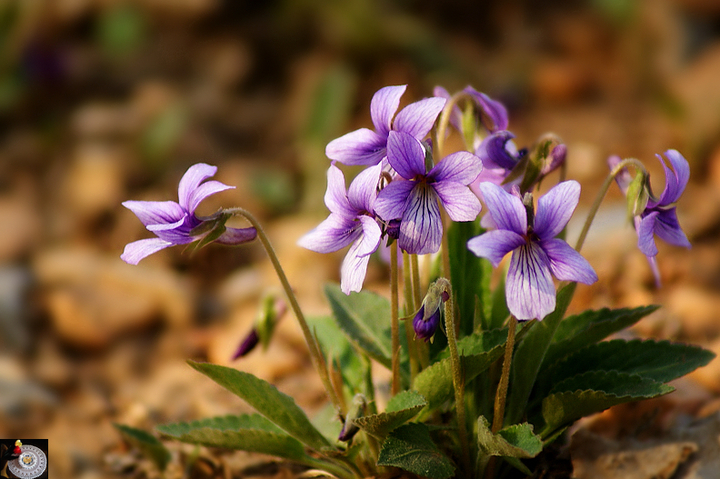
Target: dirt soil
[(103, 101)]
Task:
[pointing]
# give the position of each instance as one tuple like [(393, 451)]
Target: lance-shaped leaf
[(593, 392), (247, 432), (365, 318), (267, 400), (590, 327), (147, 443), (411, 448), (400, 409), (658, 360)]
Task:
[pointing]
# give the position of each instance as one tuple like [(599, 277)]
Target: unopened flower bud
[(638, 195), (427, 319), (271, 311), (357, 409)]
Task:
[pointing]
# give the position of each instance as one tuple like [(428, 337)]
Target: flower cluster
[(400, 184)]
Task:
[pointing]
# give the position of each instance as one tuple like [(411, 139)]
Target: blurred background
[(106, 100)]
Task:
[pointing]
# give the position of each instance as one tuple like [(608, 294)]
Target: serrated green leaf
[(365, 318), (410, 448), (517, 440), (400, 409), (575, 398), (658, 360), (247, 432), (589, 327), (267, 400), (435, 382), (529, 356), (147, 443)]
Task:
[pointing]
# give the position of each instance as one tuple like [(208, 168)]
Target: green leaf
[(593, 392), (470, 275), (529, 356), (400, 409), (589, 327), (517, 440), (410, 448), (435, 382), (267, 400), (365, 318), (247, 432), (335, 345), (658, 360), (147, 443)]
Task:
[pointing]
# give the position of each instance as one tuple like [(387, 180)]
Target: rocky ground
[(103, 101)]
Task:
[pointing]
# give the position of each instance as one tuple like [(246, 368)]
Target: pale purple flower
[(351, 220), (537, 254), (368, 147), (173, 223), (413, 197), (493, 114), (660, 215)]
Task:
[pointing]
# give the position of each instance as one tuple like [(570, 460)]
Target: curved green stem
[(601, 196), (501, 394), (317, 357), (395, 320), (457, 373), (445, 118)]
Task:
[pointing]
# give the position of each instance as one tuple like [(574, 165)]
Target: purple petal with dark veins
[(335, 197), (506, 209), (566, 264), (459, 202), (392, 200), (363, 189), (529, 287), (421, 226), (460, 167), (208, 188), (359, 147), (406, 155), (645, 228), (417, 119), (354, 266), (555, 209), (494, 245), (333, 234), (383, 106)]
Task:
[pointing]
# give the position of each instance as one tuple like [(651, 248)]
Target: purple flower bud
[(357, 409), (248, 344), (427, 319)]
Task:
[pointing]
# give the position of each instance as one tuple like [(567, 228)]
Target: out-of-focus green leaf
[(147, 443)]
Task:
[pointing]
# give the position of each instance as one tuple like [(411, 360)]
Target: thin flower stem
[(409, 311), (601, 196), (445, 118), (417, 287), (317, 357), (395, 320), (501, 394), (457, 374)]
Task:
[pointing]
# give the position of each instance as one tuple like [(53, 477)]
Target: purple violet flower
[(660, 215), (368, 147), (413, 197), (174, 223), (351, 220), (536, 254), (493, 114)]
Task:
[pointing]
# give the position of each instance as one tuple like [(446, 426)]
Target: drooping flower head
[(351, 220), (413, 197), (537, 255), (175, 223), (368, 147), (659, 216)]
